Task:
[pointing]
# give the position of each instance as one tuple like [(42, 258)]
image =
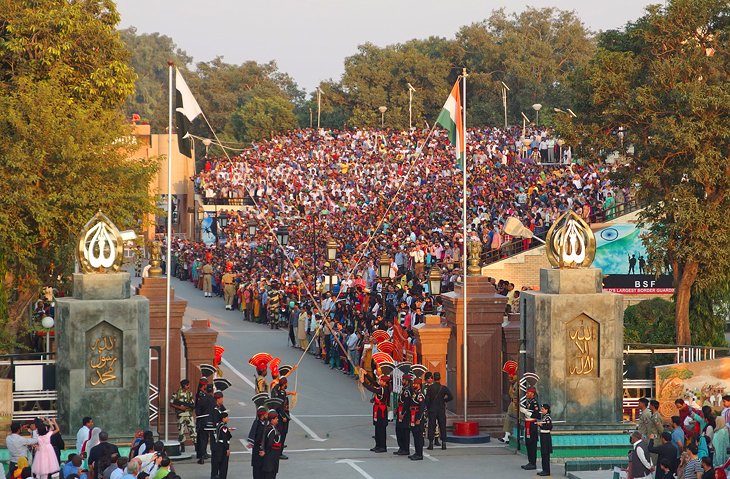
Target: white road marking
[(243, 404), (311, 416), (352, 464), (312, 435)]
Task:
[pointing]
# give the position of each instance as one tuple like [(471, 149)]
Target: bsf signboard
[(622, 257)]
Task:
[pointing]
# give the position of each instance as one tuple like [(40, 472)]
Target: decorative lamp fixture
[(384, 267), (282, 234), (434, 281), (331, 249), (252, 227)]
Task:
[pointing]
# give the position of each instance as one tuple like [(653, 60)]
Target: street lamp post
[(47, 322), (411, 90), (252, 227), (222, 223), (310, 118), (384, 274), (505, 89), (319, 104), (206, 142), (382, 110), (434, 281), (537, 108), (282, 235)]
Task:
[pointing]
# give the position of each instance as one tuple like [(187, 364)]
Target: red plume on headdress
[(219, 350), (386, 347), (379, 336), (135, 118), (510, 367), (208, 256), (380, 357), (274, 367), (260, 360), (229, 266)]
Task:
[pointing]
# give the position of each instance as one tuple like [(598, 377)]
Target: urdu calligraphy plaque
[(582, 353), (104, 356)]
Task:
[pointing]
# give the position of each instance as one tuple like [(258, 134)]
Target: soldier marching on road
[(183, 404), (228, 289), (208, 280)]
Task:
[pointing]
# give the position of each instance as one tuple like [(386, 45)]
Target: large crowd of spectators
[(375, 193)]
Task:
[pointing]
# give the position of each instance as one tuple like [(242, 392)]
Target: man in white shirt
[(87, 424), (17, 445)]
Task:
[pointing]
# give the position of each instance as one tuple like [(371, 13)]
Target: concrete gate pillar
[(199, 341), (433, 342), (484, 329)]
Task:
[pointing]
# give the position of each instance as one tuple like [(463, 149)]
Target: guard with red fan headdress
[(217, 358), (510, 418), (381, 398), (260, 361), (279, 371)]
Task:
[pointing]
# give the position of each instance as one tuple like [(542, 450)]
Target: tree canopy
[(664, 81), (67, 140)]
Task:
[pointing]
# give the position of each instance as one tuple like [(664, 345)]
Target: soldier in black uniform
[(204, 406), (279, 391), (256, 436), (402, 418), (219, 408), (546, 440), (417, 409), (381, 401), (436, 398), (271, 446), (531, 412), (221, 449)]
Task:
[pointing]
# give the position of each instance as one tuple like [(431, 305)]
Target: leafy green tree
[(261, 117), (149, 54), (670, 91), (63, 81), (222, 89), (534, 52), (650, 321), (376, 77)]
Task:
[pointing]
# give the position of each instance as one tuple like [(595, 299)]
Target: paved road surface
[(332, 431)]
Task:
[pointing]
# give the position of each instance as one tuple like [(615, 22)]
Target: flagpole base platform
[(467, 432)]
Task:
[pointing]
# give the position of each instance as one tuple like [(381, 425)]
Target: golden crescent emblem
[(100, 247), (570, 242)]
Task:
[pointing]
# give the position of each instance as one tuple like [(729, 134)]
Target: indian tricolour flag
[(451, 119)]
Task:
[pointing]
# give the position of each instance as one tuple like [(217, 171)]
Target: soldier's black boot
[(430, 445)]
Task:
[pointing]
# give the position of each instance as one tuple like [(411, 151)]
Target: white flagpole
[(169, 255), (463, 166)]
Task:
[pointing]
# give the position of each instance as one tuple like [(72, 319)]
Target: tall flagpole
[(168, 259), (463, 205)]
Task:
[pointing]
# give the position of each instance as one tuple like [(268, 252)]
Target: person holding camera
[(17, 446)]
